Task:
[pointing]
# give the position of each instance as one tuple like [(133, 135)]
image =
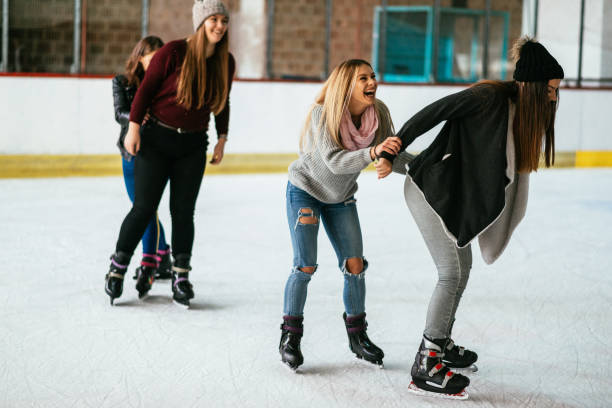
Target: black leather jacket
[(123, 95)]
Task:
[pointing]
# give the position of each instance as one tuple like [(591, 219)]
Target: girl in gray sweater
[(346, 129)]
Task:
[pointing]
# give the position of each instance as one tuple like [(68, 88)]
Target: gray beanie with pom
[(202, 9)]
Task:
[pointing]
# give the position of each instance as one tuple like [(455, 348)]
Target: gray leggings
[(453, 264)]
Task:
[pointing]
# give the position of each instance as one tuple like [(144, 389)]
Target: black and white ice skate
[(359, 343), (164, 270), (459, 359), (113, 281), (431, 377), (182, 289), (289, 346)]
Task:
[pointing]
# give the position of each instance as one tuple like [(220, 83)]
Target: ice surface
[(539, 317)]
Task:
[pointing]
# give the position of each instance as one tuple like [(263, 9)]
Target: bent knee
[(307, 269), (354, 265)]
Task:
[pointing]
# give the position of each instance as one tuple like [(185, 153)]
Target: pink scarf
[(353, 138)]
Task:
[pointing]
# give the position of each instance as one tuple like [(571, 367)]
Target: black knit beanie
[(536, 64)]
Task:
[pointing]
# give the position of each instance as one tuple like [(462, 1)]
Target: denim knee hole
[(361, 274), (297, 269), (306, 217)]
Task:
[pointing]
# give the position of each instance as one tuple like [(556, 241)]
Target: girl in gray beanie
[(187, 80), (202, 9)]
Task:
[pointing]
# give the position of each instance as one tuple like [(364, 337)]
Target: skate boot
[(182, 289), (459, 358), (431, 377), (113, 285), (164, 270), (145, 275), (291, 336), (359, 342)]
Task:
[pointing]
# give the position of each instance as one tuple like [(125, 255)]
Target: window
[(404, 49)]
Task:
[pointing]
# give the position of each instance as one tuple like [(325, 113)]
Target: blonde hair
[(334, 98), (211, 87)]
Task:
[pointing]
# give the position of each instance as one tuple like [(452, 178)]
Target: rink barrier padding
[(97, 165)]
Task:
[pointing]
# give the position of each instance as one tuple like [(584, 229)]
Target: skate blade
[(463, 395), (144, 296), (469, 369), (294, 370), (181, 305), (363, 361)]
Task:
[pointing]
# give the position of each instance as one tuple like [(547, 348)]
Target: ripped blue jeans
[(341, 223)]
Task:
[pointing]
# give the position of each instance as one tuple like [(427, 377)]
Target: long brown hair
[(204, 80), (134, 71), (534, 122), (335, 97)]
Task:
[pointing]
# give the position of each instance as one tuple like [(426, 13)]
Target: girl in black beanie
[(472, 181)]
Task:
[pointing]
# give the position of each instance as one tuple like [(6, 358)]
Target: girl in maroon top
[(186, 81)]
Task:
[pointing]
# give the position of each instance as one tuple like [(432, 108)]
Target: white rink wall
[(43, 115)]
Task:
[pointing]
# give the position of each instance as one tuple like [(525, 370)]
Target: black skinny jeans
[(165, 155)]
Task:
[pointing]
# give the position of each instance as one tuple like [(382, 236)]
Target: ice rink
[(539, 317)]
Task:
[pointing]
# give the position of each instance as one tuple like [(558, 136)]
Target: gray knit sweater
[(328, 172)]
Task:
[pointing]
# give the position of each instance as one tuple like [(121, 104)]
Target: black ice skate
[(145, 275), (359, 342), (182, 289), (113, 285), (289, 346), (164, 270), (431, 377), (459, 358)]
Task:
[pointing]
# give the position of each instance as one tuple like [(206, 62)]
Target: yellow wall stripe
[(594, 159), (31, 166)]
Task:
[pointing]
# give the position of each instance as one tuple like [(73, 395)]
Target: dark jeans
[(154, 237), (165, 155)]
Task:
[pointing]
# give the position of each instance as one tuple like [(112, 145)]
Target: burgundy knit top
[(157, 93)]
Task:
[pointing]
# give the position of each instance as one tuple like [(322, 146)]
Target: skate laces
[(449, 374), (117, 264), (179, 280), (432, 353), (292, 324), (296, 330), (356, 324), (117, 270), (184, 271), (451, 345), (439, 366), (150, 260)]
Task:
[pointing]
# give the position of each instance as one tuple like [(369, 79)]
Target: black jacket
[(462, 173), (123, 95)]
